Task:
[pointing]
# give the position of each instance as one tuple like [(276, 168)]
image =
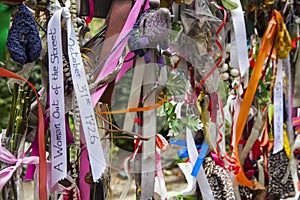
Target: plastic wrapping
[(198, 42)]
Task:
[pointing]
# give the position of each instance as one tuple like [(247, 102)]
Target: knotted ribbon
[(7, 157)]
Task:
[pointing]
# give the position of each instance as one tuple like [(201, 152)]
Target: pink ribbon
[(7, 157), (91, 12), (113, 59), (84, 168), (67, 192)]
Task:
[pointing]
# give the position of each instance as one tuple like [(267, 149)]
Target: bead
[(224, 67), (66, 69), (225, 76), (154, 3), (234, 72)]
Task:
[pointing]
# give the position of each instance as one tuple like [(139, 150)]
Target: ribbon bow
[(7, 157)]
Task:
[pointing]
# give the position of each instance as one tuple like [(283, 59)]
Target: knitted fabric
[(23, 42)]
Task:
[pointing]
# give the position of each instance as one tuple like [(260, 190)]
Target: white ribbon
[(239, 49), (278, 109), (186, 169), (81, 88), (201, 177), (288, 99), (57, 101)]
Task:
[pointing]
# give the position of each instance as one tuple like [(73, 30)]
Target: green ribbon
[(5, 13)]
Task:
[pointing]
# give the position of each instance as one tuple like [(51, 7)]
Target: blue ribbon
[(201, 156), (178, 142), (182, 153)]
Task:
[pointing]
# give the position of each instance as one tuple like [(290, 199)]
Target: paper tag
[(84, 100), (240, 47), (57, 105), (201, 177), (278, 109)]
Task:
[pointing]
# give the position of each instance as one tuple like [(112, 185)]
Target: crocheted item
[(23, 42)]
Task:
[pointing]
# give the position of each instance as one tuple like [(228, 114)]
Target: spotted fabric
[(219, 180), (280, 186)]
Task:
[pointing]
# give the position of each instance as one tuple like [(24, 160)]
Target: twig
[(120, 130)]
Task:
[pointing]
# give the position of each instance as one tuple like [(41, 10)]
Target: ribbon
[(201, 177), (81, 88), (278, 109), (5, 13), (56, 100), (161, 142), (265, 49), (201, 156), (7, 157), (91, 12), (186, 169), (41, 137), (239, 50), (135, 91), (67, 191), (114, 57), (159, 182), (139, 109)]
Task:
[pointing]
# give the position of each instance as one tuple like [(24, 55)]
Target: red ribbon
[(41, 137)]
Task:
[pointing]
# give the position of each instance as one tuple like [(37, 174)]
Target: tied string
[(41, 137), (139, 109), (218, 44), (7, 157)]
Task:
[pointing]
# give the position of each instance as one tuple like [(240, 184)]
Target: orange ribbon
[(266, 48), (41, 137), (140, 109)]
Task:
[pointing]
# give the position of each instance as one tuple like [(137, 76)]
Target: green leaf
[(176, 126), (169, 108), (229, 5), (193, 122)]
